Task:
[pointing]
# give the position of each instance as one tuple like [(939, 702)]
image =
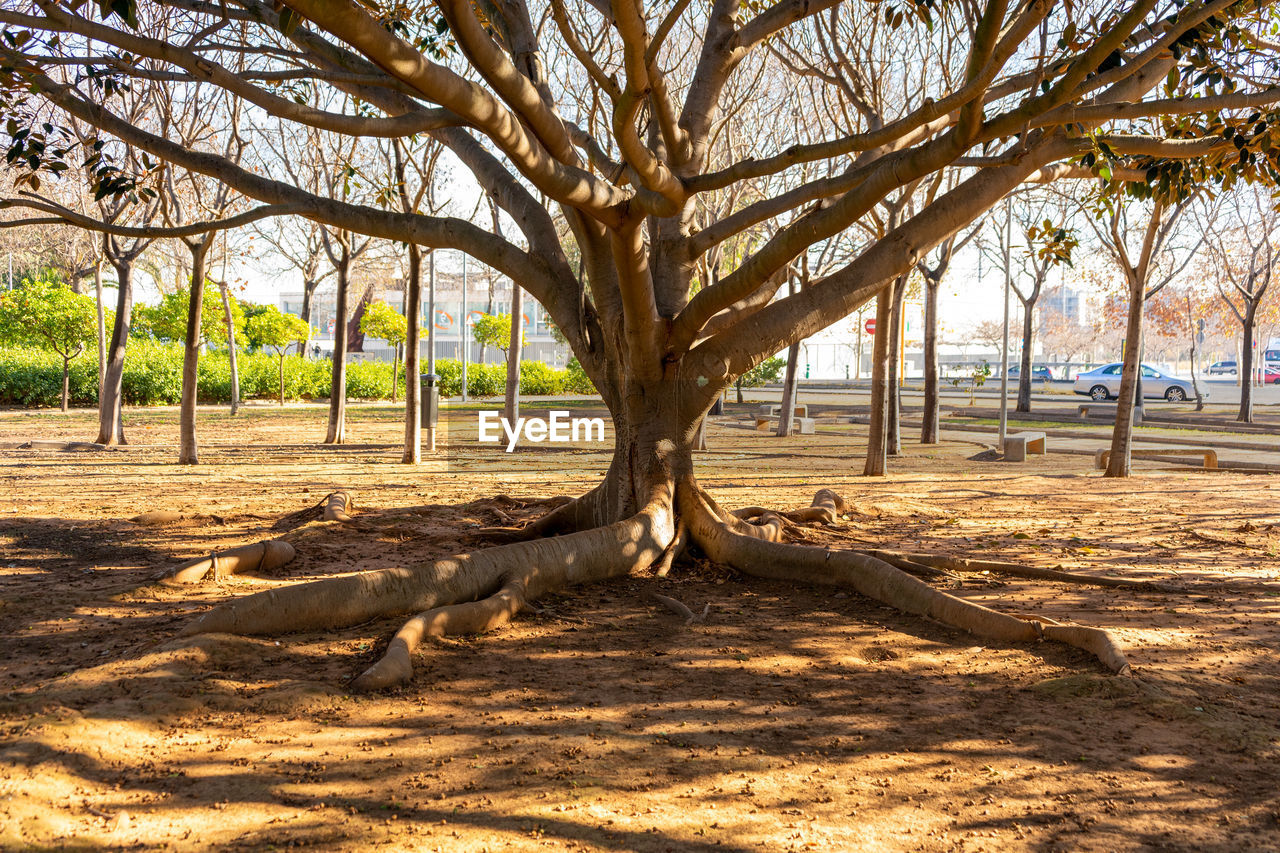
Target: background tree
[(273, 328), (492, 330), (167, 319), (1141, 237), (1246, 235), (380, 320), (49, 314)]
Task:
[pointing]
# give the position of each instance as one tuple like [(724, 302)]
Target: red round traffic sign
[(870, 326)]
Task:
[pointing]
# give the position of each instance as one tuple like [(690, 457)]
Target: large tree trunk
[(337, 431), (787, 412), (231, 346), (876, 450), (412, 358), (1245, 414), (511, 405), (110, 408), (1130, 387), (1024, 370), (893, 398), (929, 427), (188, 453)]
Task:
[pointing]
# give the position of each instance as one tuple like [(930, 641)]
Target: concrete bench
[(1103, 457), (775, 410), (1018, 445), (1086, 408), (804, 426)]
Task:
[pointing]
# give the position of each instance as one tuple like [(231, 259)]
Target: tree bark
[(929, 426), (308, 307), (1024, 369), (893, 398), (1130, 388), (110, 405), (188, 452), (787, 411), (282, 379), (66, 382), (876, 450), (511, 405), (1245, 414), (412, 359), (102, 325), (395, 371), (337, 431)]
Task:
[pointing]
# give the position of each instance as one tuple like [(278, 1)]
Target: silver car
[(1103, 383)]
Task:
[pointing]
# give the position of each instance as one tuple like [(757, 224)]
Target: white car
[(1103, 383)]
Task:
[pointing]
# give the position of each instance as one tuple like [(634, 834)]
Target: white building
[(486, 294)]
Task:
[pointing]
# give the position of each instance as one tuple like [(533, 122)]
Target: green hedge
[(153, 376)]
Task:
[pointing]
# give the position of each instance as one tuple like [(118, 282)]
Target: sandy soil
[(793, 719)]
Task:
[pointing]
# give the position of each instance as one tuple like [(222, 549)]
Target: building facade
[(486, 293)]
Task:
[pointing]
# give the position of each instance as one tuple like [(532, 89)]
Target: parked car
[(1103, 383), (1038, 371), (1271, 376), (1222, 368)]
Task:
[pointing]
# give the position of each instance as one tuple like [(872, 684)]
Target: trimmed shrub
[(153, 377)]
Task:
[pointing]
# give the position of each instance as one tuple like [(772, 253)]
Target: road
[(1220, 392)]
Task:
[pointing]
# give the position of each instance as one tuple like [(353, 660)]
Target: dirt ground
[(794, 718)]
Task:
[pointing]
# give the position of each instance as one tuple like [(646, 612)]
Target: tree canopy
[(167, 320), (270, 327), (46, 313), (380, 320)]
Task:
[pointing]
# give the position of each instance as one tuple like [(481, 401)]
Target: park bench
[(804, 426), (1018, 445), (1102, 457), (1086, 408), (775, 410)]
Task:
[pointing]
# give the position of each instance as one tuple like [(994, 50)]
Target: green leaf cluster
[(50, 315)]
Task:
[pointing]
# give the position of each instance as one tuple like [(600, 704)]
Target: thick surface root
[(947, 564), (475, 617), (337, 507), (261, 556), (582, 557), (677, 547), (755, 550)]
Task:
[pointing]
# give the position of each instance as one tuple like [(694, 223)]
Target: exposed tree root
[(537, 566), (161, 517), (71, 446), (533, 568), (567, 515), (261, 556), (680, 608), (677, 547), (474, 617), (827, 507), (960, 564), (755, 550), (337, 507)]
